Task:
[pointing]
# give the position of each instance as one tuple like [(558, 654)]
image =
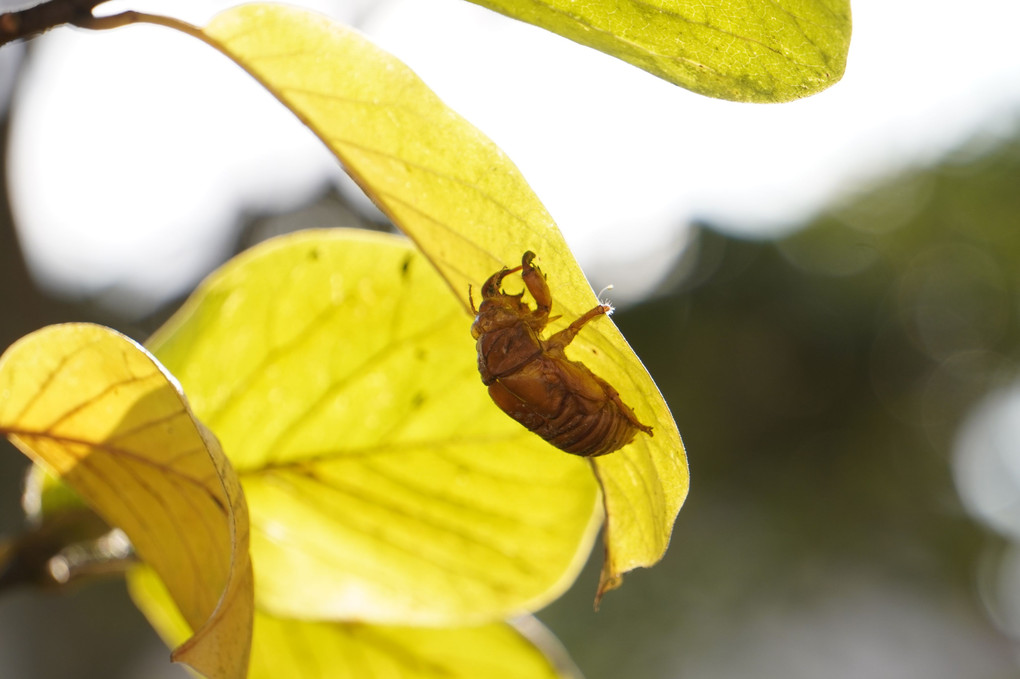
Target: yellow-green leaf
[(329, 650), (356, 651), (444, 183), (455, 193), (761, 52), (471, 212), (638, 486), (102, 415), (341, 378)]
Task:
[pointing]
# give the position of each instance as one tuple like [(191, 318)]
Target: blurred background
[(827, 292)]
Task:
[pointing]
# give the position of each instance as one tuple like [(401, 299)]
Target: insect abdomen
[(566, 404)]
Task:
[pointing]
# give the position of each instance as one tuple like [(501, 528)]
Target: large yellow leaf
[(471, 212), (332, 650), (638, 486), (340, 376), (101, 414), (743, 51)]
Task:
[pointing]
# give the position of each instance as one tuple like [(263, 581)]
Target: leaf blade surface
[(103, 416), (465, 205), (383, 484), (334, 650), (756, 52)]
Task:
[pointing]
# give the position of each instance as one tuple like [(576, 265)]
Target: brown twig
[(32, 21)]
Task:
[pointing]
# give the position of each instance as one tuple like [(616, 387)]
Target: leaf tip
[(608, 581)]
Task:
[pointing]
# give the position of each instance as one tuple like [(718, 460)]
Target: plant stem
[(35, 20), (32, 21), (131, 17)]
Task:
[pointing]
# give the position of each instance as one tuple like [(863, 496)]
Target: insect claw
[(535, 282), (491, 287)]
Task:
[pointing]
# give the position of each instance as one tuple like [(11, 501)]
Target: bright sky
[(129, 173)]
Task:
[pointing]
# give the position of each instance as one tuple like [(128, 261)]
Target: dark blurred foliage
[(818, 382)]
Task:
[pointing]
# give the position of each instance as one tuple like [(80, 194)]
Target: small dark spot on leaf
[(417, 400), (405, 266), (420, 354), (314, 254)]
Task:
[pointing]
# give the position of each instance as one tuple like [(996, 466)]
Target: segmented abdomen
[(566, 404)]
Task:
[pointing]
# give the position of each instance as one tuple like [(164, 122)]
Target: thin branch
[(131, 17), (32, 21)]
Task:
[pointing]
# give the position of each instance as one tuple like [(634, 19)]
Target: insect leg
[(535, 280), (614, 396), (491, 286), (566, 336)]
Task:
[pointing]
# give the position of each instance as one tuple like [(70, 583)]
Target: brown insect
[(533, 381)]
